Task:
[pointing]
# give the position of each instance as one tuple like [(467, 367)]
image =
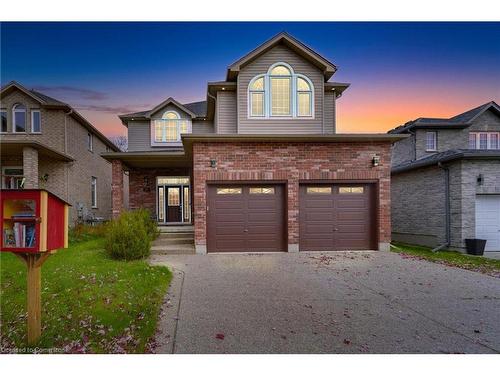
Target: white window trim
[(10, 167), (33, 111), (267, 95), (93, 184), (178, 141), (14, 111), (90, 142), (7, 117), (435, 142), (488, 140)]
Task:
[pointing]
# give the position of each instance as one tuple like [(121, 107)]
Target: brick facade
[(70, 181), (142, 185), (291, 163), (30, 167)]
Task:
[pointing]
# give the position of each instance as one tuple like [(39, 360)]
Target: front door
[(173, 204)]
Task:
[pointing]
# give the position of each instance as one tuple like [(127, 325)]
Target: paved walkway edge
[(169, 315)]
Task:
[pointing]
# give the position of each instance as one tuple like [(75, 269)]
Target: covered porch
[(159, 181), (31, 165)]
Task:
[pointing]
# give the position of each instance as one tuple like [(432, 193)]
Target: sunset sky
[(397, 71)]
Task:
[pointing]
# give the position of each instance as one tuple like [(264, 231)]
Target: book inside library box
[(20, 219), (33, 220)]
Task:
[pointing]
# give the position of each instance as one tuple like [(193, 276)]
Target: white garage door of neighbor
[(488, 220)]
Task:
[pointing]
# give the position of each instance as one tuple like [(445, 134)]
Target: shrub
[(149, 223), (127, 237)]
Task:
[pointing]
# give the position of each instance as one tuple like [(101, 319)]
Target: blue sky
[(397, 71)]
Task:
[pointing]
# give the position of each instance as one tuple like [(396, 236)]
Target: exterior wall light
[(480, 180), (213, 163), (376, 161)]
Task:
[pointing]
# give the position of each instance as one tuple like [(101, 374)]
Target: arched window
[(304, 97), (170, 127), (19, 118), (280, 93)]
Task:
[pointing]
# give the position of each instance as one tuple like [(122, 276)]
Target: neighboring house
[(446, 180), (258, 166), (47, 144)]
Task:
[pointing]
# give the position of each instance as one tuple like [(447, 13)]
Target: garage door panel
[(261, 217), (352, 203), (488, 220), (245, 222), (229, 204), (337, 221), (351, 215), (319, 203), (319, 216)]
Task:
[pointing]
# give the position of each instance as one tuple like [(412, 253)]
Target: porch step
[(177, 239), (172, 249), (176, 229), (167, 240)]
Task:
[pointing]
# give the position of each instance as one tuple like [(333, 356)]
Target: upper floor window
[(90, 142), (431, 141), (19, 117), (484, 140), (280, 93), (170, 127), (36, 122), (3, 118)]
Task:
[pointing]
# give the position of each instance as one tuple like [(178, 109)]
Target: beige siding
[(329, 122), (203, 127), (261, 65), (139, 136), (226, 112)]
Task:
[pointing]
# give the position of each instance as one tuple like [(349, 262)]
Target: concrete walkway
[(350, 302)]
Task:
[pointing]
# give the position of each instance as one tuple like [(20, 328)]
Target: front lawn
[(451, 258), (90, 303)]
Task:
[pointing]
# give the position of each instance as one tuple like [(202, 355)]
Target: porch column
[(117, 187), (30, 167)]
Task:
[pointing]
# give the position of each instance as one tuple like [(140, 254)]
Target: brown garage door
[(337, 217), (245, 218)]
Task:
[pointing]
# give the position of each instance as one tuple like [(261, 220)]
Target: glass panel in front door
[(161, 204)]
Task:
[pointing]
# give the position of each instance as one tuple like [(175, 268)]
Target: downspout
[(447, 208)]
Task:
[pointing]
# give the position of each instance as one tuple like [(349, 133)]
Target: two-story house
[(258, 166), (45, 143), (446, 180)]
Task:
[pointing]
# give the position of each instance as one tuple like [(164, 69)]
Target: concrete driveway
[(349, 302)]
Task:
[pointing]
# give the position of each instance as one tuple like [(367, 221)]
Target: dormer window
[(280, 93), (169, 128)]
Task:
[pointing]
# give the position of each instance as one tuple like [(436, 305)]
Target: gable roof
[(167, 102), (460, 121), (315, 58), (194, 109), (49, 102)]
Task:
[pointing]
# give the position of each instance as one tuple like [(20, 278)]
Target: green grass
[(451, 258), (90, 303)]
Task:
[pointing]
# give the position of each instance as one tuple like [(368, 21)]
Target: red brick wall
[(291, 162), (145, 196)]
